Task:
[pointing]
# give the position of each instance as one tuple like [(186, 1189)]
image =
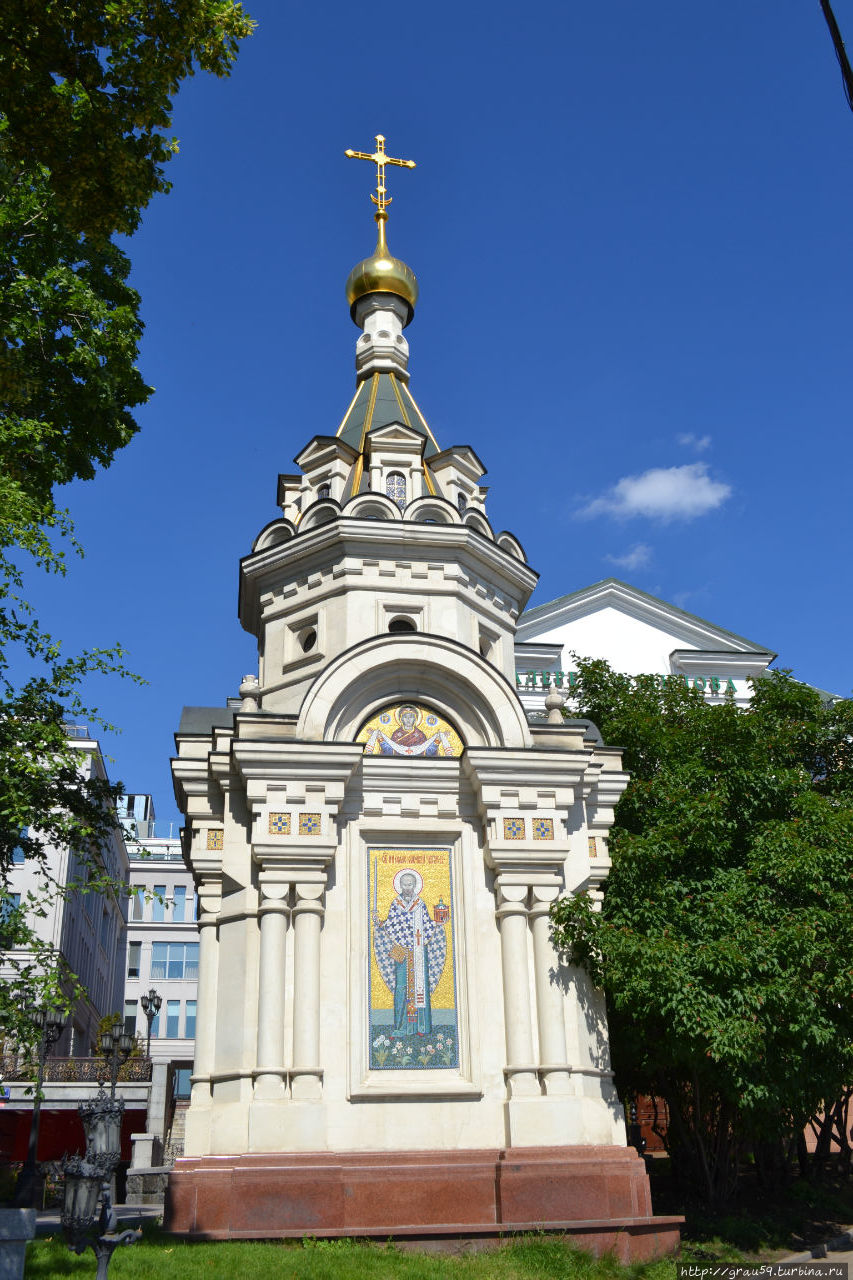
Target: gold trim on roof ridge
[(368, 416), (419, 412), (340, 429), (408, 423)]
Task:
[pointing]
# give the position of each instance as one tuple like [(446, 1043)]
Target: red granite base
[(599, 1196)]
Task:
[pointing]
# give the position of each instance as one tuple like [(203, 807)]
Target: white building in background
[(162, 941), (88, 930), (636, 633)]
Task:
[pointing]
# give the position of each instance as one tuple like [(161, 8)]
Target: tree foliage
[(724, 941), (68, 377), (86, 92), (87, 89)]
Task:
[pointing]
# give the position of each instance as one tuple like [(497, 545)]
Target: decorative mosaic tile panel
[(279, 824), (409, 729), (543, 828), (309, 824), (593, 850), (411, 975), (513, 828), (215, 839)]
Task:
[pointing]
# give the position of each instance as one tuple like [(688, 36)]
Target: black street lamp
[(49, 1024), (116, 1045), (88, 1177), (150, 1007)]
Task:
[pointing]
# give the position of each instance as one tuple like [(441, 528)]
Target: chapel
[(387, 1043)]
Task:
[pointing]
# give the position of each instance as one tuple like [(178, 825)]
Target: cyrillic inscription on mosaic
[(412, 964), (409, 729)]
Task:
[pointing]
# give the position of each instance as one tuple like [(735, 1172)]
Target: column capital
[(309, 897), (511, 899), (541, 897)]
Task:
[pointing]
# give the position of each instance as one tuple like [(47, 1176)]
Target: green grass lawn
[(158, 1257)]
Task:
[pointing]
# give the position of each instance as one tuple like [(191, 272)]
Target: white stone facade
[(383, 582)]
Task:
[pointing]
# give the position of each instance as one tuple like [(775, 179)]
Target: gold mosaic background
[(428, 723), (434, 866)]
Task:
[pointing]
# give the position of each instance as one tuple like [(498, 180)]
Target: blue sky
[(631, 226)]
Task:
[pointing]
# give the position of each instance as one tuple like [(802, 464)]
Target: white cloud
[(637, 558), (662, 493), (691, 441)]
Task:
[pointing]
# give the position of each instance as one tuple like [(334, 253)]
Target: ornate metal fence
[(84, 1070)]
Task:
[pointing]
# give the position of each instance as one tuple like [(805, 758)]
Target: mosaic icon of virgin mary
[(417, 733), (411, 951)]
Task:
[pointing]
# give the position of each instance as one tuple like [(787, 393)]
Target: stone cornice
[(527, 774), (293, 769), (348, 537)]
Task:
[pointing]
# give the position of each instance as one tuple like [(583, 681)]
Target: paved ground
[(839, 1249)]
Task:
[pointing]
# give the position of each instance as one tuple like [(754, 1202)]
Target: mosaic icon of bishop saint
[(411, 952)]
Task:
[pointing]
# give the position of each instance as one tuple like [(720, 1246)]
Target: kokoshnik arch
[(387, 1043)]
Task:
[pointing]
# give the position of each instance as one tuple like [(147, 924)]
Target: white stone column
[(205, 1023), (520, 1068), (270, 1081), (553, 1059), (306, 1074)]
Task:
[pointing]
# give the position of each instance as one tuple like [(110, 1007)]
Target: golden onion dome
[(382, 273)]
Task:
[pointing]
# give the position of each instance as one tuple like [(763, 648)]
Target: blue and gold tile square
[(309, 824), (216, 839), (513, 828), (279, 824), (543, 828)]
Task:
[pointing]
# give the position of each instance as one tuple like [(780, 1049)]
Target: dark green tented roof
[(380, 400)]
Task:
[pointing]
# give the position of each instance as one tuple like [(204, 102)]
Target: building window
[(397, 626), (182, 1086), (173, 1017), (180, 901), (17, 852), (324, 491), (174, 960), (395, 487), (9, 903), (138, 907), (134, 959), (158, 906), (155, 1025), (189, 1024), (190, 961), (461, 503), (130, 1017)]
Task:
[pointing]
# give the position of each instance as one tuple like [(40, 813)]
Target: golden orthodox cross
[(380, 158)]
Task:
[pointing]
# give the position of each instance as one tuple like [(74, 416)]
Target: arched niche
[(437, 510), (372, 506), (476, 520), (323, 511), (432, 670), (509, 543), (272, 534)]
